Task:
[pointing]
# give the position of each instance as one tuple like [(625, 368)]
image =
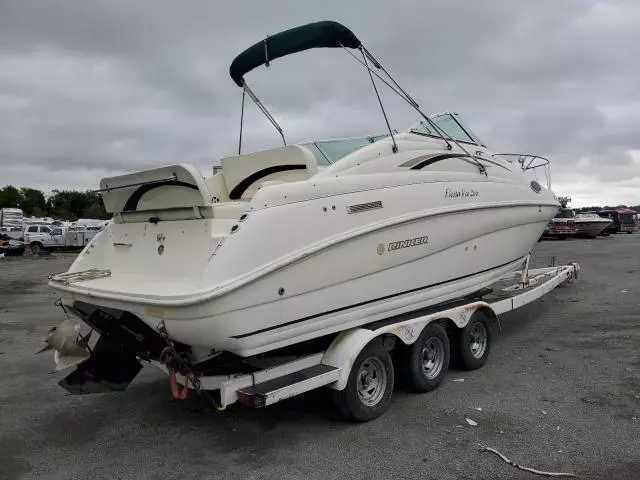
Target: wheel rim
[(432, 357), (478, 340), (372, 381)]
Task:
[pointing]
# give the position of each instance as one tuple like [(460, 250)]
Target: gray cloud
[(89, 89)]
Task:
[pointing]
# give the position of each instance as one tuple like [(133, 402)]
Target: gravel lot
[(560, 392)]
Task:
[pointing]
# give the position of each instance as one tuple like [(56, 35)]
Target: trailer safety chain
[(175, 364), (58, 303)]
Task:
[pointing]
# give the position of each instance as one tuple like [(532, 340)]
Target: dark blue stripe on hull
[(366, 302)]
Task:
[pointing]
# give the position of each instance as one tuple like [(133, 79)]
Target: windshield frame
[(435, 118)]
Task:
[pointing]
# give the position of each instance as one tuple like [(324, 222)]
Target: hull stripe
[(366, 302)]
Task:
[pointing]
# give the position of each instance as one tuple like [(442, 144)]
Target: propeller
[(70, 348)]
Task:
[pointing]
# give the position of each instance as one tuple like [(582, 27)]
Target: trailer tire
[(474, 341), (369, 388), (426, 361)]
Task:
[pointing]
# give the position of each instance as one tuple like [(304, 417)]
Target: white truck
[(49, 237)]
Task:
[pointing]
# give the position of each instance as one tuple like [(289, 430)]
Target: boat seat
[(244, 174)]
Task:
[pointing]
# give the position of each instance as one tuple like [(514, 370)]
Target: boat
[(288, 246), (590, 224)]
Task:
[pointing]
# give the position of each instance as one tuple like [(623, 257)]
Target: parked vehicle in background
[(36, 236), (562, 225), (79, 236), (590, 224), (624, 219), (10, 247), (49, 237), (11, 218), (15, 233)]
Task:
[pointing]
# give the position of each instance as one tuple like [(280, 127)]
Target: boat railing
[(530, 163)]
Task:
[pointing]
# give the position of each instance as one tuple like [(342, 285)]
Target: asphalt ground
[(560, 392)]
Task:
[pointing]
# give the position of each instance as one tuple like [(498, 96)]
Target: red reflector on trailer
[(251, 400), (245, 399)]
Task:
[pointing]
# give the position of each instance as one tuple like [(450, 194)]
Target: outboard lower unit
[(114, 361)]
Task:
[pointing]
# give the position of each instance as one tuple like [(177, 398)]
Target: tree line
[(595, 209), (67, 205)]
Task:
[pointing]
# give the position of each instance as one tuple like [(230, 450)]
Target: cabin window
[(32, 229)]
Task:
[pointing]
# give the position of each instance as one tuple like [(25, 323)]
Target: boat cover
[(325, 34)]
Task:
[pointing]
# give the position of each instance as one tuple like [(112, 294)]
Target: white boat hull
[(373, 235), (424, 282), (353, 281), (591, 228)]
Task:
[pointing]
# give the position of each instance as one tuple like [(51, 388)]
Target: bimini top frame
[(325, 34)]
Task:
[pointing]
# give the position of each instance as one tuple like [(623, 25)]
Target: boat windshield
[(450, 124), (330, 151), (588, 215)]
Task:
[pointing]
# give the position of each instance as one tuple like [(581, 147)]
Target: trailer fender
[(344, 350), (488, 311), (346, 347)]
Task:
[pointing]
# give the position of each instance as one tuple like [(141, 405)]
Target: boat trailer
[(358, 365)]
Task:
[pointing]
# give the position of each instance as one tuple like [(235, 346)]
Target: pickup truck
[(45, 237)]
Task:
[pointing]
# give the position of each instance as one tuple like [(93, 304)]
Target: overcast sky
[(102, 87)]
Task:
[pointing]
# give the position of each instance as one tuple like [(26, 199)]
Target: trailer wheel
[(369, 387), (474, 341), (427, 360)]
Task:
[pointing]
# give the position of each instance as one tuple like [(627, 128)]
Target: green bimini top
[(325, 34)]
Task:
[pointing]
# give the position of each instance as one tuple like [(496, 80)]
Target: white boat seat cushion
[(243, 174)]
